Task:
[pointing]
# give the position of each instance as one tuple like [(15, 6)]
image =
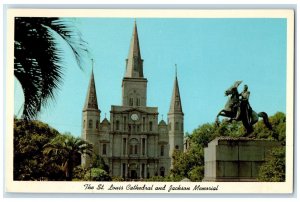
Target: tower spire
[(134, 62), (91, 98), (175, 106)]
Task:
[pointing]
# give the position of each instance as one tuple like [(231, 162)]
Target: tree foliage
[(29, 161), (68, 150), (42, 153), (97, 174), (190, 164), (273, 170), (38, 58)]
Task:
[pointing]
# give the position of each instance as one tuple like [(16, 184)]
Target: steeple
[(91, 98), (175, 106), (134, 62)]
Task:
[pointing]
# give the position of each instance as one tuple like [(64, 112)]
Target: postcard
[(149, 101)]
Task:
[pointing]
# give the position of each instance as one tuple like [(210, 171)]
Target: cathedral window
[(162, 171), (124, 128), (150, 126), (137, 101), (176, 126), (133, 148), (143, 170), (124, 146), (124, 170), (162, 150), (131, 101), (90, 123), (144, 146), (104, 149), (144, 124), (117, 125), (97, 124)]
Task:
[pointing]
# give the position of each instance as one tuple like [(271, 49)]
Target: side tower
[(90, 118), (175, 121)]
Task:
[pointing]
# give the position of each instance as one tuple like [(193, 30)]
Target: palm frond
[(39, 59)]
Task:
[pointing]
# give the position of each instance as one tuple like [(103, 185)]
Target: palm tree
[(67, 149), (38, 60)]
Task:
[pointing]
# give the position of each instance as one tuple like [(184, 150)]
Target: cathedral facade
[(133, 143)]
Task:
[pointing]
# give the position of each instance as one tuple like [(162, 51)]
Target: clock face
[(134, 117)]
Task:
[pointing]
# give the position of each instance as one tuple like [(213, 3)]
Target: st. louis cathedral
[(133, 143)]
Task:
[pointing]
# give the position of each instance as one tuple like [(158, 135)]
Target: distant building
[(134, 144)]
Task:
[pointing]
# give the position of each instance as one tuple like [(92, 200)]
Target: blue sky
[(211, 54)]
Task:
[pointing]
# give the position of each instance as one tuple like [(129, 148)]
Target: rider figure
[(244, 105)]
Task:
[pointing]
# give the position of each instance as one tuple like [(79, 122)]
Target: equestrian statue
[(238, 108)]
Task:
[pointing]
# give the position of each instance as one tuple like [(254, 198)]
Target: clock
[(134, 117)]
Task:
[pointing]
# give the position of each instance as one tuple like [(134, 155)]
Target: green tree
[(98, 162), (68, 149), (29, 161), (97, 174), (38, 59), (273, 170), (190, 164), (278, 122)]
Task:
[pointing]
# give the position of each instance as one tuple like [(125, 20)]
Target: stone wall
[(235, 159)]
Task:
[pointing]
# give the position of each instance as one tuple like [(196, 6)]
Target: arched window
[(176, 126), (162, 150), (131, 101), (137, 101), (133, 146), (144, 124), (170, 126), (97, 124), (150, 126), (162, 171), (125, 123), (104, 149), (135, 149), (90, 123), (176, 147), (117, 125)]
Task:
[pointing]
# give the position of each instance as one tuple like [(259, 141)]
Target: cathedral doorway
[(133, 174)]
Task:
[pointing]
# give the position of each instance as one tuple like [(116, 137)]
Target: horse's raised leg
[(217, 121)]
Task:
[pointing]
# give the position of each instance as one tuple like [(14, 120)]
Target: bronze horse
[(248, 116)]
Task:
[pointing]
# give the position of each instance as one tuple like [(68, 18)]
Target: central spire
[(134, 62)]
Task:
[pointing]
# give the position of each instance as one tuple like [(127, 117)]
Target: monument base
[(230, 159)]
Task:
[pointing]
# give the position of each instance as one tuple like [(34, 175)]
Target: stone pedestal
[(235, 159)]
